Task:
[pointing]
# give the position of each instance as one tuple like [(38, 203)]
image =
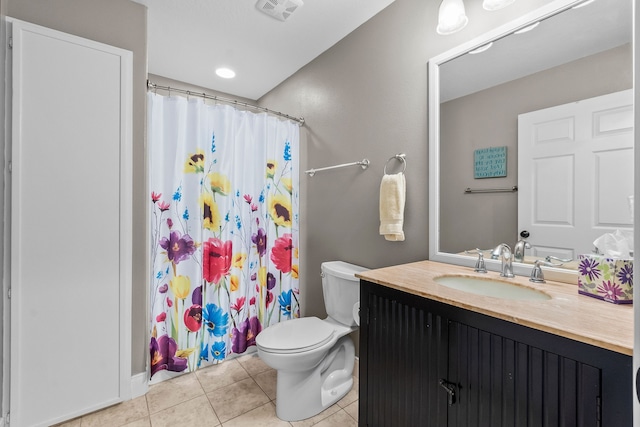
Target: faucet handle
[(537, 276), (536, 272), (480, 264)]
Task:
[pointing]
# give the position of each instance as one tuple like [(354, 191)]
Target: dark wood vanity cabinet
[(425, 363)]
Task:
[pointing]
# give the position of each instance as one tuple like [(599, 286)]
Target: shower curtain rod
[(153, 86)]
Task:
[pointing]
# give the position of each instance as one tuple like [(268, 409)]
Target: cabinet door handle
[(450, 388)]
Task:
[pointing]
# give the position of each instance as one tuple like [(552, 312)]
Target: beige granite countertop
[(566, 314)]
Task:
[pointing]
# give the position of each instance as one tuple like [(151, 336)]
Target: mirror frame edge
[(433, 67)]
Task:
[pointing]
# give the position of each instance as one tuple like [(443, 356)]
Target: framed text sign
[(490, 162)]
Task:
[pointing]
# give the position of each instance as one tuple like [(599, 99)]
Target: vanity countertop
[(566, 314)]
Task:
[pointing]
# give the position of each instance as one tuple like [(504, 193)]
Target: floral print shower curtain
[(224, 229)]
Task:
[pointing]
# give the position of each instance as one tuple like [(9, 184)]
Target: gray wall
[(367, 97), (123, 24), (489, 118)]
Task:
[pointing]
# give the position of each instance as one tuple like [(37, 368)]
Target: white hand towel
[(392, 195)]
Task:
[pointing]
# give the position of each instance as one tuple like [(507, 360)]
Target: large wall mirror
[(561, 74)]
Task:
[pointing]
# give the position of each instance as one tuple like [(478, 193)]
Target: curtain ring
[(400, 157)]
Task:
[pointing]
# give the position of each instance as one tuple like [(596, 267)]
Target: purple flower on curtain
[(625, 275), (169, 223), (193, 318), (245, 335), (281, 253), (260, 240), (216, 320), (271, 281), (178, 247), (163, 355), (589, 267), (285, 302), (163, 289), (269, 298), (218, 350), (196, 296)]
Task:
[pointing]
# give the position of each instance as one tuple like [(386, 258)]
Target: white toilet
[(314, 358)]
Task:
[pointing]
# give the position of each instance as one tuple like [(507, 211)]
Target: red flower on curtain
[(281, 253), (217, 257), (193, 318)]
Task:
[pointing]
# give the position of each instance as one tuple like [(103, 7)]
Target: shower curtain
[(224, 229)]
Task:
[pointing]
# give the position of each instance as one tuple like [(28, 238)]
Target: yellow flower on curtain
[(262, 276), (219, 183), (195, 162), (180, 286), (294, 271), (287, 184), (235, 283), (280, 210), (239, 259), (271, 168), (210, 212)]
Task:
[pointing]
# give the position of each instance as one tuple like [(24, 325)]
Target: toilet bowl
[(314, 357)]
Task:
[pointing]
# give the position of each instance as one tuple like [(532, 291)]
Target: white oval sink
[(491, 288)]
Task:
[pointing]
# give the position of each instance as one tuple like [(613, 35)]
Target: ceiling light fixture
[(481, 48), (451, 17), (225, 73), (527, 28), (496, 4), (578, 6)]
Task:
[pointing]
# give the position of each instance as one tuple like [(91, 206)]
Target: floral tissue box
[(608, 279)]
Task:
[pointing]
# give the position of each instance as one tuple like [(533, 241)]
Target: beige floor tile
[(221, 375), (76, 422), (350, 397), (194, 412), (170, 393), (253, 364), (267, 382), (118, 415), (316, 419), (262, 416), (236, 399), (339, 419), (145, 422), (352, 410)]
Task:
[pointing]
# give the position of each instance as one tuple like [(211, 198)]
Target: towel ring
[(399, 157)]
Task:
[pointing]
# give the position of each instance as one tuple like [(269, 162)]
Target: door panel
[(575, 173), (70, 210)]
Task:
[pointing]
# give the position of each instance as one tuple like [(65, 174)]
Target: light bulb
[(451, 17)]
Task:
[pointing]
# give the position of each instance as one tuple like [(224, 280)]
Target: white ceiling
[(565, 37), (189, 39)]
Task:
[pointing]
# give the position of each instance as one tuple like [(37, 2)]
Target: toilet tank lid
[(342, 269)]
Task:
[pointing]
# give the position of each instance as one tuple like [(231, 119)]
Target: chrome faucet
[(503, 251)]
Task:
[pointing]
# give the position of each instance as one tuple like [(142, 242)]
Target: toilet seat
[(295, 336)]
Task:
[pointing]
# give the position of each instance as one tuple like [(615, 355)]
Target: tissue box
[(608, 279)]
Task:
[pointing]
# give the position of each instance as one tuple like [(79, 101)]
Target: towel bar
[(364, 163), (491, 190)]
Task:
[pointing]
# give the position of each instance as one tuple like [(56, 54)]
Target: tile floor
[(237, 393)]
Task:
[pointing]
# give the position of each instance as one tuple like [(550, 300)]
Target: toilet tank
[(341, 290)]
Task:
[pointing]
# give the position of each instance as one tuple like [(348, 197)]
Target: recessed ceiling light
[(527, 29), (225, 73), (481, 48)]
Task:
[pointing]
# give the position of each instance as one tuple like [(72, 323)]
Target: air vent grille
[(279, 9)]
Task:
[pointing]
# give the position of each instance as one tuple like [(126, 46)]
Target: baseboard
[(139, 385)]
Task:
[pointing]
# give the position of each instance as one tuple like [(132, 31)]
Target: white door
[(71, 223), (575, 173)]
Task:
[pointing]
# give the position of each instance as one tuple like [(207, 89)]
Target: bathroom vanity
[(431, 355)]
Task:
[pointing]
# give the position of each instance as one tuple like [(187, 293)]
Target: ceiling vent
[(279, 9)]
